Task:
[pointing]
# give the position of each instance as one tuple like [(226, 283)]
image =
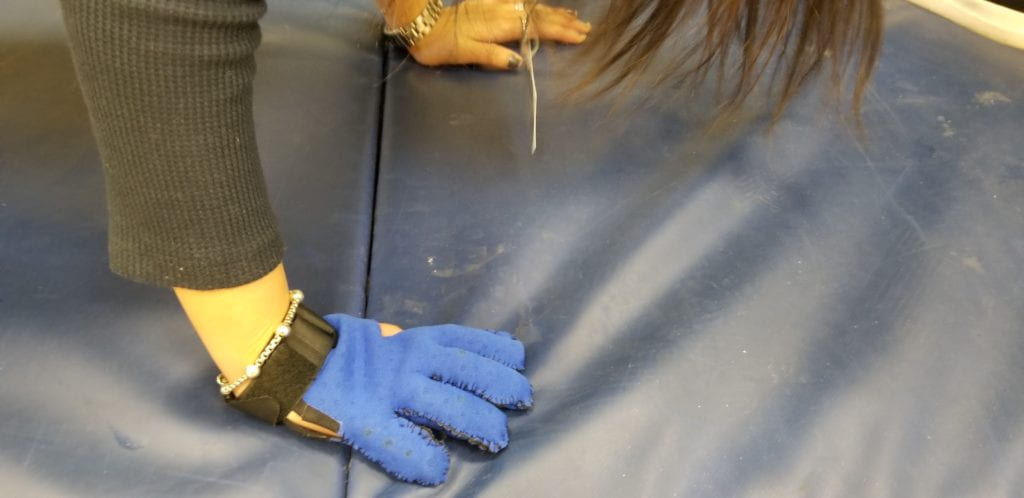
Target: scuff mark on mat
[(483, 256), (947, 126), (991, 98), (124, 441), (973, 263)]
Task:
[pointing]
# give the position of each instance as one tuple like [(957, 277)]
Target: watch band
[(408, 35)]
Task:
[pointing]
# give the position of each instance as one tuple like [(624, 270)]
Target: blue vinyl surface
[(736, 314), (739, 313)]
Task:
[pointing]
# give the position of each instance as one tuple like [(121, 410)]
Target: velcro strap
[(289, 371)]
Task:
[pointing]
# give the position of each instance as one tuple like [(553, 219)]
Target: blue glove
[(448, 377)]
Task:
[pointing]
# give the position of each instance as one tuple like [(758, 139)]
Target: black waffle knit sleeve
[(168, 84)]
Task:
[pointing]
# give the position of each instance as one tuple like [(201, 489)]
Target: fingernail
[(514, 61)]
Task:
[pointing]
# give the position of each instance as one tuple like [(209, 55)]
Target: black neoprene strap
[(290, 369)]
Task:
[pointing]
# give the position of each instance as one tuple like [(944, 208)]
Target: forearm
[(236, 323)]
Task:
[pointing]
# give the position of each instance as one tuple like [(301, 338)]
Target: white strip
[(993, 21)]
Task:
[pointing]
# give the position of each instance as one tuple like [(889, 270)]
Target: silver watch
[(408, 35)]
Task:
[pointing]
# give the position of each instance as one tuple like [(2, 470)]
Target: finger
[(459, 413), (341, 321), (389, 329), (488, 55), (560, 34), (401, 448), (565, 16), (484, 377), (572, 12), (503, 23), (551, 25), (501, 347)]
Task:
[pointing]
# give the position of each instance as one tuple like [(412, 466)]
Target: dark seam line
[(382, 94)]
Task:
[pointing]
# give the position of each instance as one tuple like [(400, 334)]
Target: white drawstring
[(528, 46)]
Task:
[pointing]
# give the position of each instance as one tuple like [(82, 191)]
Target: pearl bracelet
[(282, 331)]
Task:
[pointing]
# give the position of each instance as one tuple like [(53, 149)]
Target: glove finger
[(501, 347), (459, 413), (347, 324), (484, 377), (401, 448)]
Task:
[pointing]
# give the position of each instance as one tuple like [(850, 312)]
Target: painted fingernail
[(514, 61)]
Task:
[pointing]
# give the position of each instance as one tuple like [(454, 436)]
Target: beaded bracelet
[(282, 331)]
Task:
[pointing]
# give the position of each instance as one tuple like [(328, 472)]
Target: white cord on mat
[(529, 46)]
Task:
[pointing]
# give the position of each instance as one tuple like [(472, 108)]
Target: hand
[(382, 389), (472, 31)]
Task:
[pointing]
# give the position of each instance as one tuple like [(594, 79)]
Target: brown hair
[(739, 39)]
